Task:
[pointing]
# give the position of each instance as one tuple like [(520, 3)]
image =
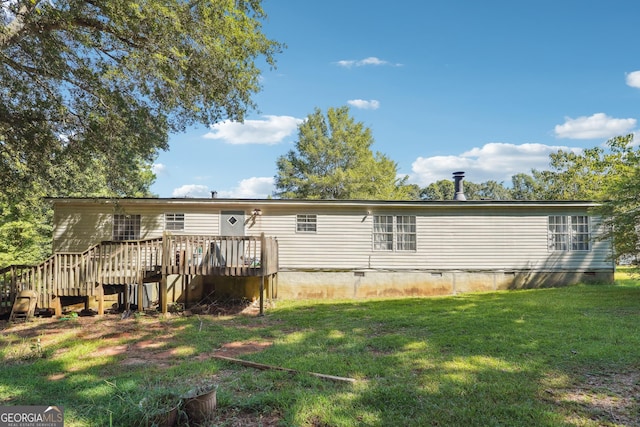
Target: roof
[(255, 203)]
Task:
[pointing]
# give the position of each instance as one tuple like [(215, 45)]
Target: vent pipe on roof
[(458, 186), (214, 194)]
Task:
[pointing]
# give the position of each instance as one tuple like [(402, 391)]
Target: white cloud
[(598, 125), (159, 168), (272, 130), (493, 161), (372, 60), (364, 104), (192, 190), (633, 79), (251, 188)]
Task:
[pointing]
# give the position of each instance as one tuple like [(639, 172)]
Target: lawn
[(548, 357)]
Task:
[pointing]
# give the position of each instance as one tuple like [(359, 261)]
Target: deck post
[(13, 287), (163, 294), (126, 301), (100, 292), (262, 295), (141, 266), (186, 279), (166, 260), (141, 290), (57, 306), (263, 259)]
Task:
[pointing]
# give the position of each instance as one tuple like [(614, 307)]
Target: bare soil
[(606, 398), (139, 349)]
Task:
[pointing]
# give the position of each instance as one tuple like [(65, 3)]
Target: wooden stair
[(24, 306)]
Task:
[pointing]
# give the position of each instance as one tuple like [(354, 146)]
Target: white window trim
[(122, 222), (392, 235), (172, 220), (306, 223), (572, 242)]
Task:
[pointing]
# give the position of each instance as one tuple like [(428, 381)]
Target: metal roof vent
[(458, 186)]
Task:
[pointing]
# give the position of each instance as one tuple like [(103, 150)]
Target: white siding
[(79, 226), (343, 240), (76, 229), (453, 237), (449, 240)]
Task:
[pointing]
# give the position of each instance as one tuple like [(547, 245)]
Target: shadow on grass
[(508, 358), (482, 359)]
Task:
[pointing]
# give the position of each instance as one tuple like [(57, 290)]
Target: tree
[(439, 190), (577, 176), (621, 206), (445, 190), (25, 230), (26, 217), (333, 160), (111, 78), (524, 187), (609, 175), (493, 190), (90, 89)]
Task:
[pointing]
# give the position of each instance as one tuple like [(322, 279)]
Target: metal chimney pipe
[(459, 187), (214, 194)]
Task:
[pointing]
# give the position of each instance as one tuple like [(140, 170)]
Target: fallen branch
[(279, 368)]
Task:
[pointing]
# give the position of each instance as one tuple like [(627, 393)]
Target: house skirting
[(316, 284), (377, 284)]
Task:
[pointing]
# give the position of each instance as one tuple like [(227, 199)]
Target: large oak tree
[(111, 78), (90, 89)]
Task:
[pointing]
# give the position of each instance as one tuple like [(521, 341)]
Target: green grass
[(517, 358)]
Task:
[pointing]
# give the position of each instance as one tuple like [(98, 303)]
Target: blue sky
[(490, 88)]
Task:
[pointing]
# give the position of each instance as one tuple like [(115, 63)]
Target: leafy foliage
[(609, 175), (576, 176), (333, 160), (444, 190), (89, 91), (110, 79), (621, 191)]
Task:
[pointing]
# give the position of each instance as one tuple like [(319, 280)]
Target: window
[(174, 221), (406, 233), (126, 227), (382, 233), (394, 233), (569, 233), (580, 233), (306, 223)]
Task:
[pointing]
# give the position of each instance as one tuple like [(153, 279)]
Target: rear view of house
[(191, 250), (355, 249)]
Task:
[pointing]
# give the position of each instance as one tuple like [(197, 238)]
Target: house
[(191, 249)]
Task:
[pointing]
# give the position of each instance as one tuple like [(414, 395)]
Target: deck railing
[(129, 262), (80, 274), (10, 286), (220, 255)]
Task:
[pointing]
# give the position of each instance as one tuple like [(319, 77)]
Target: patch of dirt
[(141, 343), (228, 308), (608, 398), (239, 419), (122, 334)]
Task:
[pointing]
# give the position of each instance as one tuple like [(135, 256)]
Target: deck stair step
[(24, 306)]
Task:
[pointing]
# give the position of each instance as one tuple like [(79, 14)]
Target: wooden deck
[(111, 263)]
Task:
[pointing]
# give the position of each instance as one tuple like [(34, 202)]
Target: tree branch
[(14, 27)]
